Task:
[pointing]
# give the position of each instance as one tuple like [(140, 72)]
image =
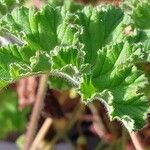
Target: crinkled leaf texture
[(117, 82), (86, 46), (17, 62)]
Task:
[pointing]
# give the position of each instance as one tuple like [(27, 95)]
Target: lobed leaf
[(117, 81), (100, 27), (44, 29), (17, 62)]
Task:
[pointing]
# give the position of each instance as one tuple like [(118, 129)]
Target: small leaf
[(87, 89), (64, 56)]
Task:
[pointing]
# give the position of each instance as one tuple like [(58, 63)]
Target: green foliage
[(87, 46), (141, 16), (115, 75), (141, 19), (16, 62), (8, 5), (98, 27), (11, 119)]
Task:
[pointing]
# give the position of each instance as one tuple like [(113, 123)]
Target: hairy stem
[(38, 104), (41, 134), (136, 141), (64, 76), (55, 74), (98, 120), (36, 112), (124, 138)]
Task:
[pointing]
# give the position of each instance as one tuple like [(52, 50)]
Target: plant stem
[(98, 120), (136, 141), (36, 112), (55, 74), (41, 134), (124, 138), (64, 76), (80, 108)]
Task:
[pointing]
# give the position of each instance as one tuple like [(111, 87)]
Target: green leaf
[(99, 27), (17, 62), (7, 5), (85, 46), (42, 30), (87, 89), (63, 56), (119, 83), (141, 23), (141, 15)]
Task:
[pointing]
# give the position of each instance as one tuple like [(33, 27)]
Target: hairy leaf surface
[(42, 30), (88, 47), (17, 62), (99, 27), (119, 83)]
